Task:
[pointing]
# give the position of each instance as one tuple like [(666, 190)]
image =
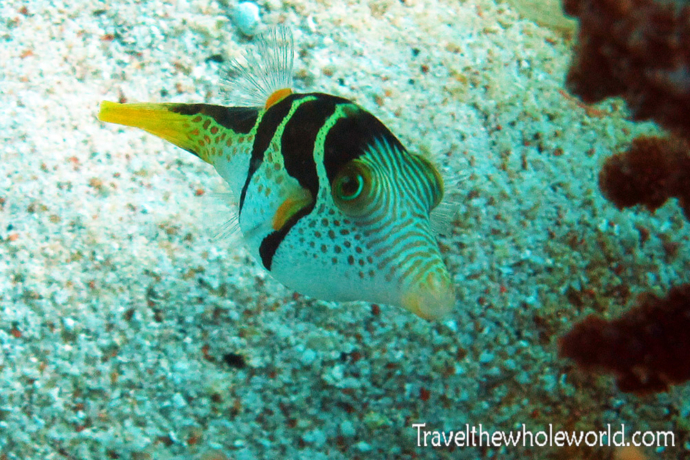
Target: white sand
[(116, 306)]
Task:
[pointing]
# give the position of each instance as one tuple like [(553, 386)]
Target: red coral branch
[(638, 49), (653, 170), (648, 348)]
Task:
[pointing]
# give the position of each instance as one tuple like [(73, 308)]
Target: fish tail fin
[(196, 128), (162, 120)]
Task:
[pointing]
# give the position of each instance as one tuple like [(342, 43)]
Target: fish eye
[(351, 189)]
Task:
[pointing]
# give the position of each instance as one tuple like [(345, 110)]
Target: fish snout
[(432, 298)]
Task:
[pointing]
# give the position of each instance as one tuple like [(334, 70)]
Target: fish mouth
[(433, 298)]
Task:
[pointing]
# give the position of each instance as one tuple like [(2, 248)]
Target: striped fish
[(330, 202)]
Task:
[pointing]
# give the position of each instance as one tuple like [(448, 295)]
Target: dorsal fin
[(264, 76)]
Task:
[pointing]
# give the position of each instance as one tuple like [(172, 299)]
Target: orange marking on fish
[(289, 207), (277, 96)]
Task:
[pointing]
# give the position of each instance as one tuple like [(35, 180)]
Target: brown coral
[(650, 172), (648, 348), (638, 49)]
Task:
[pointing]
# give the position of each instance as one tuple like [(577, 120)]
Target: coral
[(650, 172), (638, 49), (646, 348)]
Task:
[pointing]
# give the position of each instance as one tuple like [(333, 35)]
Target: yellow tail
[(167, 121)]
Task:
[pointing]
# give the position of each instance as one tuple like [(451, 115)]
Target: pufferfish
[(330, 202)]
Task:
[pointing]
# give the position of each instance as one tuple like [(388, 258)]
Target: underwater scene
[(358, 229)]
